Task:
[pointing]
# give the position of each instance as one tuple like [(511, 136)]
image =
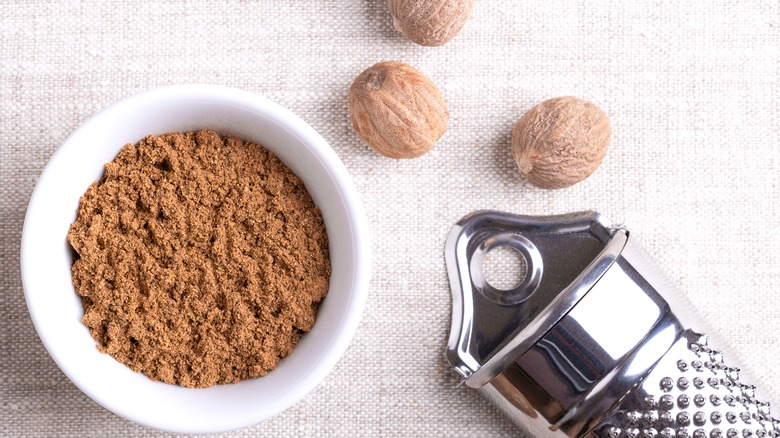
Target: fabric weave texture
[(692, 89)]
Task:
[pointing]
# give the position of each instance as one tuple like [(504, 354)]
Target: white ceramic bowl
[(56, 310)]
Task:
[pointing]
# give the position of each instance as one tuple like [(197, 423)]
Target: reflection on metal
[(591, 342)]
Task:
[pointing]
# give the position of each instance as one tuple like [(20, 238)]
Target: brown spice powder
[(201, 259)]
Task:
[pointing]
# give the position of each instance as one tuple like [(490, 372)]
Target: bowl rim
[(324, 153)]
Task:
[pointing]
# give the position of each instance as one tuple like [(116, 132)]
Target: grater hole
[(504, 268)]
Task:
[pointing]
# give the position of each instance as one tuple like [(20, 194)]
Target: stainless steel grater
[(593, 341)]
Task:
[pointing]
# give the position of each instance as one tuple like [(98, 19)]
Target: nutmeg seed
[(430, 22), (560, 142), (396, 110)]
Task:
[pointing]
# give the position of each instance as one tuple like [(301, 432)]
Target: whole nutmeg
[(560, 142), (396, 110), (430, 22)]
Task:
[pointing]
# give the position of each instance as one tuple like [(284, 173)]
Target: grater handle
[(602, 346)]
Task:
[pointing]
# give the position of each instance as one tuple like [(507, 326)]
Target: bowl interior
[(57, 311)]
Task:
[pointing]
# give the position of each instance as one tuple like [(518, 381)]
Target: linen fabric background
[(691, 87)]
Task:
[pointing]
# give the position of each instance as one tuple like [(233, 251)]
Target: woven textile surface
[(692, 89)]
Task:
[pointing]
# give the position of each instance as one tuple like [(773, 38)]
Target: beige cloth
[(692, 89)]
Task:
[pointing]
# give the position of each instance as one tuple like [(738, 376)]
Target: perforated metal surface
[(692, 392)]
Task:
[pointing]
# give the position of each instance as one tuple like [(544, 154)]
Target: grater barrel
[(593, 342)]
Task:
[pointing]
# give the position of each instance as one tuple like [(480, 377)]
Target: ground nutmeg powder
[(201, 259)]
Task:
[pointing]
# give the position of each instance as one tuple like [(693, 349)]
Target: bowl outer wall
[(56, 311)]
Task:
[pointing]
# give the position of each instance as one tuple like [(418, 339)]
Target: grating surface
[(694, 393)]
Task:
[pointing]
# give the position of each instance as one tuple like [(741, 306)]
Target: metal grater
[(593, 342)]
